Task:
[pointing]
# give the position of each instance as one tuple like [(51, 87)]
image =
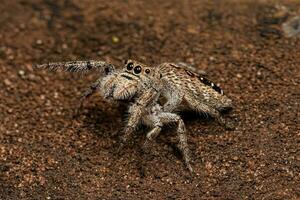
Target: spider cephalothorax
[(180, 85), (128, 82)]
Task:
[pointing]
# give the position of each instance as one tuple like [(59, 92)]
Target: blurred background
[(251, 48)]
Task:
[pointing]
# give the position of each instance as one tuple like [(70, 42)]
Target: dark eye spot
[(147, 71), (125, 62), (137, 69), (129, 66)]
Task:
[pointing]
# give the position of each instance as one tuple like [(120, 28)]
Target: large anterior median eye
[(137, 69), (129, 66)]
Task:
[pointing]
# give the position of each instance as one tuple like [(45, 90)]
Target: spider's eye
[(129, 66), (137, 69), (147, 71)]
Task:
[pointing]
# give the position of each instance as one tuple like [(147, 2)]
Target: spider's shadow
[(103, 122), (107, 123)]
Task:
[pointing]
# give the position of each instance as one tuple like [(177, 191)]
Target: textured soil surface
[(45, 154)]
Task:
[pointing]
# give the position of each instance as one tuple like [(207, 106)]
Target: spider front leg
[(92, 89), (103, 84), (136, 111), (134, 119), (79, 66)]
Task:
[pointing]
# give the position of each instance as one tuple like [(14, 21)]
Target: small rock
[(21, 72), (64, 46), (31, 76), (39, 42), (7, 82), (115, 39), (235, 158), (192, 29), (22, 26), (258, 73)]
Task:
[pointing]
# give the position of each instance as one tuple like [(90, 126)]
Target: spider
[(157, 93)]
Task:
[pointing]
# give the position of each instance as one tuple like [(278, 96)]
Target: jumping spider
[(156, 93)]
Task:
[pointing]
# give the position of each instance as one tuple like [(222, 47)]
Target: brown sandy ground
[(45, 154)]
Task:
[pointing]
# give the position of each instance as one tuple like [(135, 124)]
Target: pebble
[(31, 77), (258, 73), (21, 72), (22, 26), (192, 30), (39, 42), (115, 39), (7, 82), (64, 46), (235, 158), (211, 58)]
